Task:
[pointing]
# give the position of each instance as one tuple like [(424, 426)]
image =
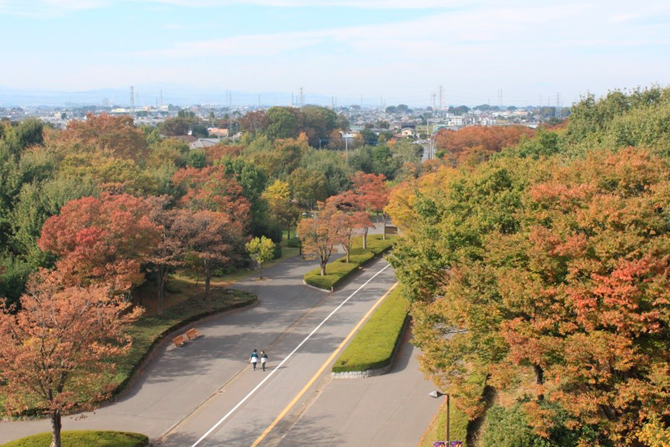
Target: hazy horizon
[(388, 52)]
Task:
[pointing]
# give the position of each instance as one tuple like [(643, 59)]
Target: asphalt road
[(186, 392)]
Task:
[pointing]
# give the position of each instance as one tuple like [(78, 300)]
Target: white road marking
[(252, 392)]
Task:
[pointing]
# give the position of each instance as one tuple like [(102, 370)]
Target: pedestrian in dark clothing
[(264, 359)]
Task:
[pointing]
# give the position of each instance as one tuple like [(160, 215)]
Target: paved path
[(186, 391), (392, 410), (180, 379)]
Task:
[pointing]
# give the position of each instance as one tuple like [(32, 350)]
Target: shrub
[(508, 427)]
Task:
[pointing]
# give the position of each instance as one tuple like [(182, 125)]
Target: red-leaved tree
[(169, 251), (58, 347), (101, 240), (322, 233), (211, 237), (371, 196)]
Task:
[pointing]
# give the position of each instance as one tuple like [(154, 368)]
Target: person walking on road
[(264, 359), (254, 359)]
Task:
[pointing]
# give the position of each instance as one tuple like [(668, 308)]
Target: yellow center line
[(320, 371)]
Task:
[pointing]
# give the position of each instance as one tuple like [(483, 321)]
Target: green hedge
[(84, 439), (338, 271), (373, 346)]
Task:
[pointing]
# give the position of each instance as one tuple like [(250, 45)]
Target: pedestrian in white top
[(254, 359)]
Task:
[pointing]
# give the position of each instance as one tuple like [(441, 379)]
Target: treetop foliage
[(545, 270)]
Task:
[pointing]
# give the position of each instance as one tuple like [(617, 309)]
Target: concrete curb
[(377, 371), (316, 288)]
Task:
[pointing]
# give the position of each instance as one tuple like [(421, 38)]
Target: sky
[(353, 51)]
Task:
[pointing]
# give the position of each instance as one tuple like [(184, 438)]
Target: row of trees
[(544, 272), (95, 212), (338, 219)]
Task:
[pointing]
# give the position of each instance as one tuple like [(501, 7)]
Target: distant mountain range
[(151, 95)]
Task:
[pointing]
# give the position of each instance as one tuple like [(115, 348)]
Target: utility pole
[(441, 98)]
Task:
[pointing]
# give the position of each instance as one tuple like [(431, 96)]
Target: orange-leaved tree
[(212, 189), (322, 233), (171, 247), (372, 195), (475, 144), (56, 352), (211, 238), (102, 239), (113, 136), (215, 231), (352, 219)]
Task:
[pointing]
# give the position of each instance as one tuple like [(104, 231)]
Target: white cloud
[(360, 4), (46, 9)]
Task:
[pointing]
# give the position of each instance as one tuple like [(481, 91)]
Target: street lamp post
[(436, 394)]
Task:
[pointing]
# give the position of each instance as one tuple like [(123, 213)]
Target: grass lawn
[(84, 439), (338, 271), (437, 430), (373, 345)]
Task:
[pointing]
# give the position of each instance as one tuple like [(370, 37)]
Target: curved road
[(187, 391)]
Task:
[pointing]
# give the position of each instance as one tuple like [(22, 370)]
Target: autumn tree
[(322, 233), (58, 347), (213, 188), (254, 122), (475, 144), (261, 249), (102, 239), (371, 196), (171, 247), (352, 219), (114, 136), (550, 281), (212, 237)]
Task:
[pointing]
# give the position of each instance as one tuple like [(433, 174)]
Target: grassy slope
[(84, 439), (436, 431)]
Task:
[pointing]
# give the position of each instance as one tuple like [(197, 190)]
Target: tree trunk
[(347, 250), (539, 374), (365, 238), (323, 268), (56, 428), (384, 223), (539, 379), (208, 277), (162, 273), (260, 265)]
